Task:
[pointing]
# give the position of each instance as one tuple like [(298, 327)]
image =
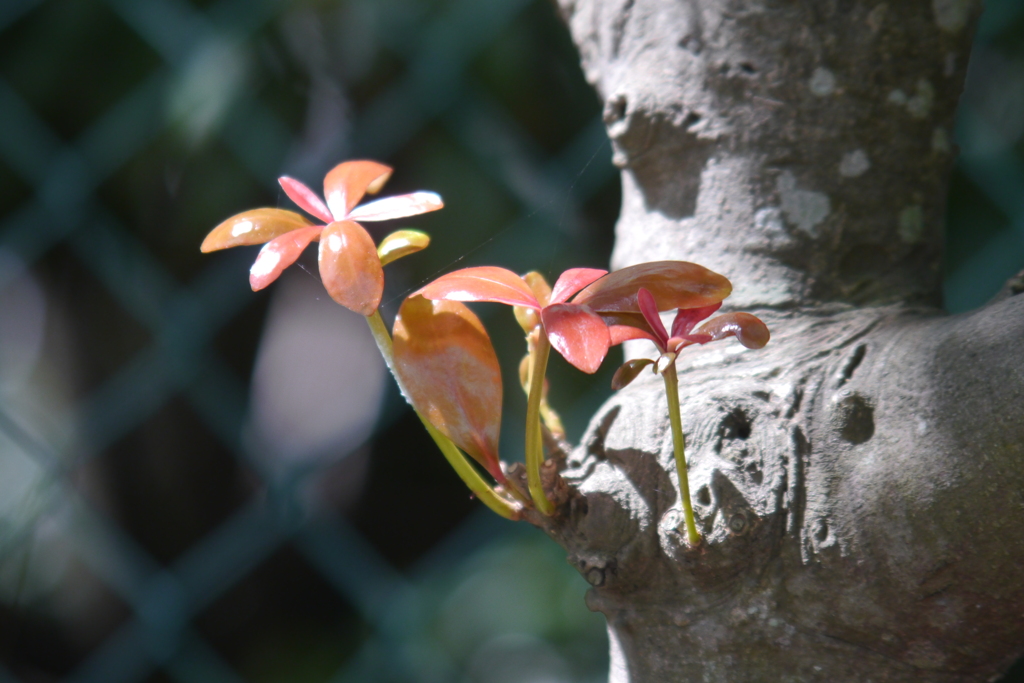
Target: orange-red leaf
[(350, 267), (578, 334), (749, 329), (629, 371), (305, 198), (674, 284), (400, 206), (346, 183), (649, 309), (626, 325), (278, 254), (485, 283), (253, 227), (572, 281), (448, 367), (624, 333)]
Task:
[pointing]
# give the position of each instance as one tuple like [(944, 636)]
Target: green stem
[(534, 440), (679, 447), (469, 475)]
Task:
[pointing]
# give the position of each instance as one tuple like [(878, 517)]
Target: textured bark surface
[(860, 481)]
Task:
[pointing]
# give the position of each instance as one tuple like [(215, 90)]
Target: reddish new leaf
[(686, 318), (346, 183), (399, 206), (305, 198), (626, 325), (649, 309), (749, 329), (629, 371), (578, 334), (350, 267), (448, 367), (624, 333), (572, 281), (485, 283), (253, 227), (278, 254), (674, 284)]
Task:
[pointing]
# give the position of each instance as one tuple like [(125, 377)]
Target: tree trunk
[(860, 481)]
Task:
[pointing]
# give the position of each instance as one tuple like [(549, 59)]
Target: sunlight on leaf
[(346, 183), (401, 243), (305, 198), (578, 334), (485, 283), (400, 206), (253, 227), (450, 371), (748, 329), (350, 267), (278, 254)]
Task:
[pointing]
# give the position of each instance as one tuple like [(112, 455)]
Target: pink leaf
[(578, 334), (622, 333), (400, 206), (649, 309), (448, 367), (305, 198), (346, 183), (278, 254), (484, 283), (350, 267), (572, 281)]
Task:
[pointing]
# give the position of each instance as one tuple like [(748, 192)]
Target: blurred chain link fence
[(157, 520)]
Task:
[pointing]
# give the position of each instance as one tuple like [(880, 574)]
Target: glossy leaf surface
[(400, 206), (401, 243), (687, 318), (674, 284), (350, 268), (253, 227), (578, 334), (307, 200), (278, 254), (527, 317), (748, 329), (484, 283), (346, 183), (629, 371), (572, 281), (448, 367)]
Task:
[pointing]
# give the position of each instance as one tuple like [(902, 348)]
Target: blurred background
[(199, 483)]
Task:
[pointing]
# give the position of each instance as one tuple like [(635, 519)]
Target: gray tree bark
[(860, 481)]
